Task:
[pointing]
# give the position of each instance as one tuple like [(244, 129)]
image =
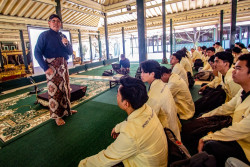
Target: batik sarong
[(58, 88)]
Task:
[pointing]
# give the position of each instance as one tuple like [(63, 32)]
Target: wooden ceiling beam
[(48, 2), (88, 3), (9, 7), (17, 7), (81, 11)]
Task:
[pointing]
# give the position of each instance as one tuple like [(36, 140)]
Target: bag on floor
[(138, 73), (201, 159), (204, 76), (211, 99), (190, 80), (197, 64), (197, 128), (107, 73), (176, 150)]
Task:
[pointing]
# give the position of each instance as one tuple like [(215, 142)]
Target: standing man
[(52, 52)]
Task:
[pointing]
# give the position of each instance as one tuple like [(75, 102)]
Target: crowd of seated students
[(140, 139)]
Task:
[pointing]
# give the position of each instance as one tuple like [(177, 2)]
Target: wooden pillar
[(141, 24)]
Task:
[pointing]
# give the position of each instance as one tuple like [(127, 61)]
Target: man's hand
[(201, 145), (114, 134), (49, 71), (65, 41), (202, 88)]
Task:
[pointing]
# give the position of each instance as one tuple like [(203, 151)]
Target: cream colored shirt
[(178, 69), (141, 142), (231, 88), (220, 49), (216, 81), (182, 97), (240, 129), (244, 51), (186, 65), (207, 67), (162, 102), (196, 55)]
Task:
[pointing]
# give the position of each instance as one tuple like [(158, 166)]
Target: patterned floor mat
[(19, 114)]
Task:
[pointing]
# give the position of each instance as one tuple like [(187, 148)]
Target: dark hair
[(150, 66), (228, 50), (249, 46), (242, 45), (182, 53), (211, 49), (134, 91), (217, 43), (178, 56), (53, 16), (237, 43), (165, 70), (245, 57), (203, 47), (211, 59), (236, 50), (226, 57), (184, 49)]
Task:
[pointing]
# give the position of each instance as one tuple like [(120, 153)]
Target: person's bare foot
[(59, 121), (73, 111)]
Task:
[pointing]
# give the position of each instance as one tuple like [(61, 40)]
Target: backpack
[(190, 80), (201, 159), (107, 73), (176, 150), (204, 76), (197, 64), (197, 128), (211, 99), (138, 73)]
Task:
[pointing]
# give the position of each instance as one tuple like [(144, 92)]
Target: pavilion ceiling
[(88, 15)]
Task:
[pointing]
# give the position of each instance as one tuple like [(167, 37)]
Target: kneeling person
[(141, 140)]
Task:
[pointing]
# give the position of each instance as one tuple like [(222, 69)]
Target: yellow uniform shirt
[(220, 49), (162, 102), (141, 142), (182, 97), (231, 88), (196, 55), (179, 70), (186, 65), (240, 129)]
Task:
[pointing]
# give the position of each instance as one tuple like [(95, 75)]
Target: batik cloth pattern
[(58, 88)]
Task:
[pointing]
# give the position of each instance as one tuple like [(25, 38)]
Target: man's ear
[(152, 73)]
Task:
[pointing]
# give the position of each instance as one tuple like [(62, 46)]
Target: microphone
[(63, 36)]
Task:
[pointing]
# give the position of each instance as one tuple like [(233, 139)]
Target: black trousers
[(223, 150)]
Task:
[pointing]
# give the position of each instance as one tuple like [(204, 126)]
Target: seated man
[(185, 62), (124, 63), (177, 67), (160, 97), (233, 141), (222, 63), (140, 140), (180, 92), (209, 52), (195, 55), (218, 47)]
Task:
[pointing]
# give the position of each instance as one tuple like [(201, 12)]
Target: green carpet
[(85, 133), (19, 114)]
